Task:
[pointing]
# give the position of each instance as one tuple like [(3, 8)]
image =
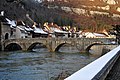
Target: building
[(54, 30), (38, 31), (94, 35), (20, 31), (5, 29)]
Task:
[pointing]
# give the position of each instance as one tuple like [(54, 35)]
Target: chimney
[(2, 13)]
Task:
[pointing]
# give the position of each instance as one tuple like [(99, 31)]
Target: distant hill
[(93, 15)]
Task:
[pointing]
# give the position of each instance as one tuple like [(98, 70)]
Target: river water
[(42, 64)]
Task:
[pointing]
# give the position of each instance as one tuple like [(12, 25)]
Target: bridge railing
[(98, 69)]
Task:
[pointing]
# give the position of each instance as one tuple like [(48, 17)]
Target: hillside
[(93, 15), (18, 11)]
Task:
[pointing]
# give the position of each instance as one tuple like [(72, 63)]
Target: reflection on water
[(40, 65)]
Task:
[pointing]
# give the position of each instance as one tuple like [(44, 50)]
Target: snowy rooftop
[(98, 34), (12, 23), (39, 30), (93, 34), (57, 30), (19, 27), (28, 29)]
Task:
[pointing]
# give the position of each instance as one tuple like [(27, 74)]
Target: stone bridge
[(53, 44)]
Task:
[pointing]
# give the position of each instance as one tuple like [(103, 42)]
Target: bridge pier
[(50, 46), (2, 46)]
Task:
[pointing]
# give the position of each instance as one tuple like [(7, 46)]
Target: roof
[(92, 34), (20, 28), (28, 29), (57, 30), (12, 23), (99, 34), (7, 21), (51, 28), (39, 30)]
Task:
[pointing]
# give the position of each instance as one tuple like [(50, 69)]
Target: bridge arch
[(57, 48), (33, 45), (12, 47), (88, 47)]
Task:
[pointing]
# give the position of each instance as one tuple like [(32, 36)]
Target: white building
[(21, 31), (94, 35)]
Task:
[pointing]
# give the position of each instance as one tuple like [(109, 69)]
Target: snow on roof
[(28, 29), (9, 21), (25, 29), (23, 23), (99, 35), (57, 30), (20, 28), (90, 35), (12, 23), (31, 29), (39, 30)]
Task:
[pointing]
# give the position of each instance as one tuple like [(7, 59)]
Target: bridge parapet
[(98, 69)]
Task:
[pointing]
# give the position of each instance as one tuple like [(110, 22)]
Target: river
[(42, 64)]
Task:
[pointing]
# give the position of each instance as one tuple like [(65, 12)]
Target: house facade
[(5, 30)]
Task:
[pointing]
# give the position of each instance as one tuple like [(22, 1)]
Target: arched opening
[(88, 48), (39, 47), (66, 48), (13, 47), (58, 47), (6, 36), (95, 49)]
